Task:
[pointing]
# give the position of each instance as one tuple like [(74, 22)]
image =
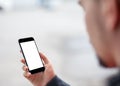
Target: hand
[(42, 78)]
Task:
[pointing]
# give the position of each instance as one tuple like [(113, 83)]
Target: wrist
[(46, 80), (51, 77)]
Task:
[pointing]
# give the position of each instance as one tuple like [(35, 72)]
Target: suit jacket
[(57, 82), (114, 80)]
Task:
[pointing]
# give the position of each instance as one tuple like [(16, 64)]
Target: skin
[(42, 78), (103, 26), (102, 19)]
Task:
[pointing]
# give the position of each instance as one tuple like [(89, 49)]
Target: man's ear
[(111, 14)]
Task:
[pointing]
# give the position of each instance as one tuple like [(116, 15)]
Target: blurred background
[(59, 29)]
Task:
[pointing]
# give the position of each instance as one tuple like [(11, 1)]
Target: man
[(103, 26)]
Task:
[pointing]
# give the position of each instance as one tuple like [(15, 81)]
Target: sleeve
[(57, 82), (114, 80)]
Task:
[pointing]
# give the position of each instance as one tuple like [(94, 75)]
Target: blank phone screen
[(31, 55)]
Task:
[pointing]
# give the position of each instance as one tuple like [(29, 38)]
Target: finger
[(27, 75), (46, 61), (25, 68), (23, 61)]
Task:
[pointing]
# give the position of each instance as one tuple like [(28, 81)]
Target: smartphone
[(31, 55)]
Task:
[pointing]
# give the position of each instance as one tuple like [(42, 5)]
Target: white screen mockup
[(31, 55)]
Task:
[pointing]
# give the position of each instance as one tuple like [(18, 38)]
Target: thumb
[(44, 58)]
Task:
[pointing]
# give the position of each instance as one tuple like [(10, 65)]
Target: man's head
[(103, 25)]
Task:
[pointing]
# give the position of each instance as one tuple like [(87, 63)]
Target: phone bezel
[(41, 69)]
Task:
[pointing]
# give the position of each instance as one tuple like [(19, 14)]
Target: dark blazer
[(57, 82), (114, 80)]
